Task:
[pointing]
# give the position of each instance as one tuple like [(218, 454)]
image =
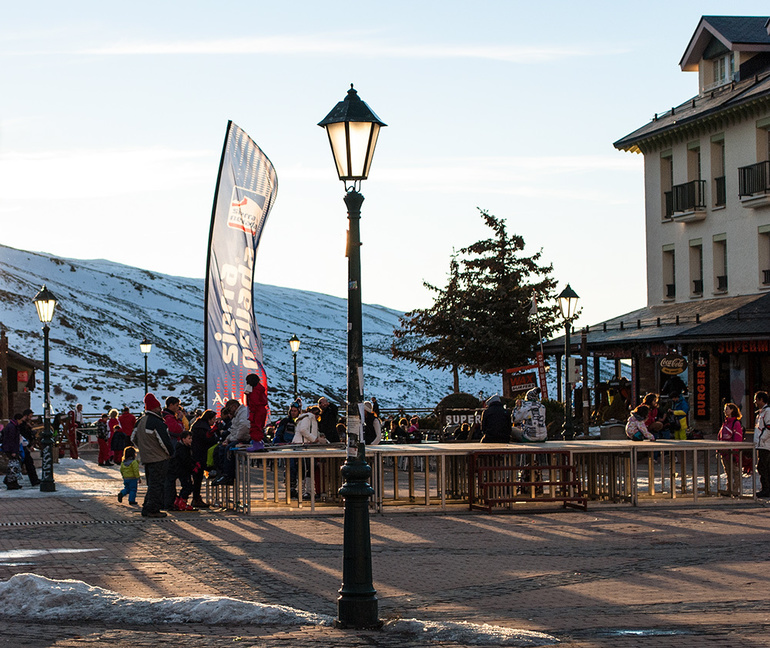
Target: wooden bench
[(500, 479)]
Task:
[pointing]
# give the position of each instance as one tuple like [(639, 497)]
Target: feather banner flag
[(246, 188)]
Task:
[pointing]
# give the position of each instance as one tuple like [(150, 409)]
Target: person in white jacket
[(762, 441), (240, 426), (306, 426)]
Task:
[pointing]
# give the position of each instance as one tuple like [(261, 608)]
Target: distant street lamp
[(45, 303), (353, 128), (568, 300), (145, 346), (294, 345)]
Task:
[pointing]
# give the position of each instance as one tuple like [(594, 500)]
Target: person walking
[(762, 442), (129, 470), (151, 437)]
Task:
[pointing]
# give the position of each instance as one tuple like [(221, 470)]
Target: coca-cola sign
[(673, 364)]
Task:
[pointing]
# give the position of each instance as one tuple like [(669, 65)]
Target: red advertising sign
[(702, 385), (22, 376)]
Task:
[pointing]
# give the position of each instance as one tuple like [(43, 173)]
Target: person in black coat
[(495, 422), (203, 437), (183, 468), (327, 424)]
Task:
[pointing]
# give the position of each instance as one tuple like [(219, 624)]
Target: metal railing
[(697, 286), (754, 179), (669, 197), (687, 197), (765, 277), (721, 282), (670, 291), (720, 192)]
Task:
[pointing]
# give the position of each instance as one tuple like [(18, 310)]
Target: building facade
[(707, 210)]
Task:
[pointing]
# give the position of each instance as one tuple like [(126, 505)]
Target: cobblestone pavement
[(656, 575)]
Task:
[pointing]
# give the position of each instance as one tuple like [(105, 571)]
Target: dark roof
[(715, 105), (741, 29), (709, 320)]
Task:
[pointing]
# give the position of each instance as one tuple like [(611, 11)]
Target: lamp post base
[(357, 604)]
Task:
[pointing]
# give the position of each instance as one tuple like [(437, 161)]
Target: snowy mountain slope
[(106, 308)]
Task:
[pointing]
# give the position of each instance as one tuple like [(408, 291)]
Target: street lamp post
[(353, 128), (145, 346), (568, 299), (294, 346), (45, 303)]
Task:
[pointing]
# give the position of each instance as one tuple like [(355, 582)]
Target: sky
[(113, 115)]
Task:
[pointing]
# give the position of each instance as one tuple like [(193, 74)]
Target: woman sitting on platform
[(636, 430)]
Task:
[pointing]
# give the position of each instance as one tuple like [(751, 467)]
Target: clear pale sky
[(112, 118)]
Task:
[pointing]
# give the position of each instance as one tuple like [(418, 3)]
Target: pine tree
[(435, 336), (481, 321), (499, 282)]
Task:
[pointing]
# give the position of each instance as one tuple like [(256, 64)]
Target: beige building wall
[(735, 232)]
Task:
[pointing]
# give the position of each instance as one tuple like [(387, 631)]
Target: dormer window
[(723, 68)]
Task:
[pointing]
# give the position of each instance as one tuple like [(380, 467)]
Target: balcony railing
[(754, 179), (671, 290), (721, 282), (697, 287), (687, 197), (720, 193), (765, 277)]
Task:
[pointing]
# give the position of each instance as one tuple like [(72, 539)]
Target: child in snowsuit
[(129, 470)]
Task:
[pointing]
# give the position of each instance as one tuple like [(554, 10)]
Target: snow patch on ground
[(33, 597)]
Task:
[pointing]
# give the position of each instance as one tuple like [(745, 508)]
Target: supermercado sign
[(744, 346)]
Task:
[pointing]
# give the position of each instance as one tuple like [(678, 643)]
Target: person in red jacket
[(256, 398), (172, 416)]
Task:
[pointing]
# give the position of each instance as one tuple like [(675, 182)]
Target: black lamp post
[(294, 346), (353, 128), (145, 346), (568, 300), (45, 303)]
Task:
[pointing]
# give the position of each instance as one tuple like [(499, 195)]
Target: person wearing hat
[(256, 397), (529, 419), (151, 437), (495, 422)]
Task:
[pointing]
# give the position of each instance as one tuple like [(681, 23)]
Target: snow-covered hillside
[(106, 308)]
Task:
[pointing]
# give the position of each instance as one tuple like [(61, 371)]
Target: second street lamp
[(45, 303), (145, 346), (568, 300), (294, 346), (353, 128)]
